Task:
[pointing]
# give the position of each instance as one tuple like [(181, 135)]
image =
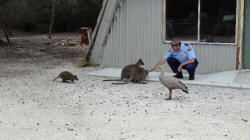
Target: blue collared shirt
[(186, 52)]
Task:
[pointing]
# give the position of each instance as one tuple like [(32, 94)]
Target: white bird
[(171, 83)]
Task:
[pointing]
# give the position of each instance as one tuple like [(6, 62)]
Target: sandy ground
[(33, 107)]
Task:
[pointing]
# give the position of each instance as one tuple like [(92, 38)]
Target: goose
[(171, 83)]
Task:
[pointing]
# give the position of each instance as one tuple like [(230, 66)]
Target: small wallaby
[(65, 76), (138, 75), (126, 71)]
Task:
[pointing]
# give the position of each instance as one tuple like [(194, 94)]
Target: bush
[(34, 15)]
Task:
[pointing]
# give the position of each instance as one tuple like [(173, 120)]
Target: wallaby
[(138, 75), (65, 76), (126, 71)]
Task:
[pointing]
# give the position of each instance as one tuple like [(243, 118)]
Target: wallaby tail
[(120, 83), (56, 78), (112, 80)]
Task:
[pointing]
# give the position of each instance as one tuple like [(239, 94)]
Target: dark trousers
[(174, 64)]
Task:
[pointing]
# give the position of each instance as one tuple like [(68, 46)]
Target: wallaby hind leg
[(139, 81), (64, 81), (142, 82)]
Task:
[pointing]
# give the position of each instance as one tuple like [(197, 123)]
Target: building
[(130, 29)]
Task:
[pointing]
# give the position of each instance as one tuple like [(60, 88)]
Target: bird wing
[(182, 86)]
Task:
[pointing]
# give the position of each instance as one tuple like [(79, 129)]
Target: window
[(212, 21)]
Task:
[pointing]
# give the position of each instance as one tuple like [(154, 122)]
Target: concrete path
[(232, 79)]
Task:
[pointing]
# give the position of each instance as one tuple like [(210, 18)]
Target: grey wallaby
[(138, 75), (126, 71)]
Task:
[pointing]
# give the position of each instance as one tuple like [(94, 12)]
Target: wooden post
[(240, 32)]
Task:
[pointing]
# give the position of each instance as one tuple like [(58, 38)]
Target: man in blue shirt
[(181, 56)]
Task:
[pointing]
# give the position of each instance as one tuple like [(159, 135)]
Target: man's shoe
[(179, 75), (191, 77)]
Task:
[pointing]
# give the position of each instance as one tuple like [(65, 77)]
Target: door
[(246, 38)]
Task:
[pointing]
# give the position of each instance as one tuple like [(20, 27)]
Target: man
[(181, 56)]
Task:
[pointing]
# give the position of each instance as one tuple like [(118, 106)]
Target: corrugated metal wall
[(136, 33)]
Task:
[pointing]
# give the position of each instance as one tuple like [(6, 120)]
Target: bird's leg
[(170, 95)]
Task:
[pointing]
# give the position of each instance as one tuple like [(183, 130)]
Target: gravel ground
[(33, 107)]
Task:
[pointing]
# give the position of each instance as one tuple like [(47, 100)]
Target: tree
[(52, 18), (49, 16), (3, 26)]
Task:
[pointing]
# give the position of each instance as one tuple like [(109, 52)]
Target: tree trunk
[(2, 42), (3, 27), (53, 2), (5, 31)]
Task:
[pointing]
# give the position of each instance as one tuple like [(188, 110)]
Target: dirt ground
[(33, 107)]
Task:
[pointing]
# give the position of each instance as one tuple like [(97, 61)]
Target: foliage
[(34, 15)]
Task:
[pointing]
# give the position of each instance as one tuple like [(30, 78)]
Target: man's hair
[(175, 42)]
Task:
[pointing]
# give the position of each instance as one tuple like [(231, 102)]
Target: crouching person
[(180, 56)]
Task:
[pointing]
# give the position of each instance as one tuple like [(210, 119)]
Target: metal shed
[(131, 29)]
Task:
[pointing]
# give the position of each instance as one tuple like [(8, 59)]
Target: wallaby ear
[(142, 61)]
